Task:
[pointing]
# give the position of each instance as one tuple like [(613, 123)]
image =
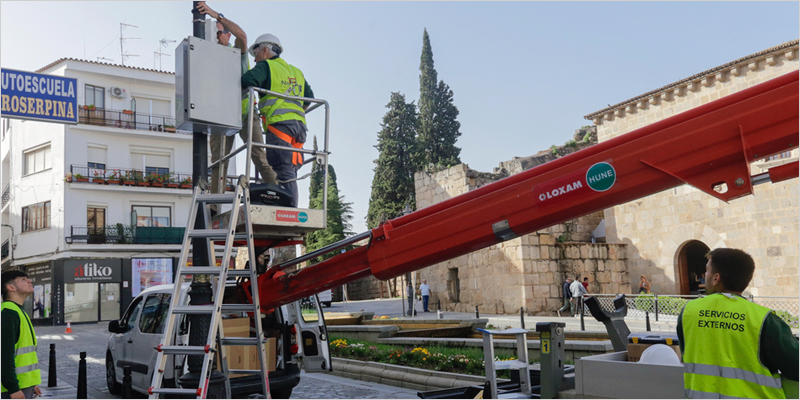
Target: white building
[(89, 246)]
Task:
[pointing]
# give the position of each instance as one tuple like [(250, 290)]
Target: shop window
[(152, 216), (95, 95), (37, 159), (154, 313), (36, 217)]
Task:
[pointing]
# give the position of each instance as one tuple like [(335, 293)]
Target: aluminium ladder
[(520, 364), (215, 337)]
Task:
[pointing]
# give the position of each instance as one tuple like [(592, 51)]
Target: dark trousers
[(425, 303)]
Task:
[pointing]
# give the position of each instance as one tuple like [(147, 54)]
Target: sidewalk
[(63, 390)]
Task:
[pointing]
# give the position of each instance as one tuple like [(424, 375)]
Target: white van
[(135, 336)]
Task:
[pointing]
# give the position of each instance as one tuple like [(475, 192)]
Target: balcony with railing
[(6, 249), (6, 195), (132, 177), (125, 234), (126, 119)]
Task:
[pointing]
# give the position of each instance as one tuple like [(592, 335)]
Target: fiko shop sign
[(28, 95), (92, 270)]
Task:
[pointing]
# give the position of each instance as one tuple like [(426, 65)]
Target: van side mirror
[(113, 327)]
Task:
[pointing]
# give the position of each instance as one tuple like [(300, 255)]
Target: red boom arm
[(704, 147)]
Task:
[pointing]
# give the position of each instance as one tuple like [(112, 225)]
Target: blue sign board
[(28, 95)]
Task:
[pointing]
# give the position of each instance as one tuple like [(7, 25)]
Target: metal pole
[(477, 315), (522, 317), (647, 320), (126, 382), (52, 380), (656, 301), (82, 376), (583, 326)]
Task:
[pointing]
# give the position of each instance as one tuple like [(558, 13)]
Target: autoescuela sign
[(92, 270), (40, 97)]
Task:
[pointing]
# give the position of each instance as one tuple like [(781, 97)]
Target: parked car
[(141, 328)]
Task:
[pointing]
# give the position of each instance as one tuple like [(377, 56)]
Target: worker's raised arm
[(241, 37)]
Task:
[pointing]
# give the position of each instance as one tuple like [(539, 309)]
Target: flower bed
[(457, 360)]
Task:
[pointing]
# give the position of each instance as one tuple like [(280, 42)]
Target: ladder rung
[(241, 341), (236, 272), (201, 270), (246, 371), (195, 392), (188, 350), (238, 307), (215, 234), (193, 309), (227, 198)]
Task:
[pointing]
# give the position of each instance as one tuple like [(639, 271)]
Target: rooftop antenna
[(122, 54), (163, 43)]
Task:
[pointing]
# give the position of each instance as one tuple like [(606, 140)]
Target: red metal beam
[(704, 147)]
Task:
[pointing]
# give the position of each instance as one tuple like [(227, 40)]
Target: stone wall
[(659, 226)]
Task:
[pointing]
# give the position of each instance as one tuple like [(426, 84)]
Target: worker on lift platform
[(732, 347), (226, 28), (283, 120)]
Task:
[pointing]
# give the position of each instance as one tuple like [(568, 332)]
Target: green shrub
[(788, 317)]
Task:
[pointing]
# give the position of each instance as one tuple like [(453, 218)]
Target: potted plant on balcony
[(91, 107), (171, 180), (80, 178), (127, 111), (169, 128), (99, 178), (140, 179), (186, 183), (155, 180), (68, 177), (114, 177), (128, 178)]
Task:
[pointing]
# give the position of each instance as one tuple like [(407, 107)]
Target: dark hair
[(577, 277), (734, 266), (585, 278), (8, 277)]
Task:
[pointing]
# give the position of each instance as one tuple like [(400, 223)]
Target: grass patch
[(460, 360)]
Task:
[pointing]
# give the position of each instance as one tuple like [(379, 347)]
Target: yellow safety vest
[(721, 352), (286, 79), (25, 360)]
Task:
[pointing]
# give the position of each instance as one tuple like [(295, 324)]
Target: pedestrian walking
[(425, 290), (566, 294)]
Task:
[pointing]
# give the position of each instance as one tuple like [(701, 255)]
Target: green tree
[(340, 213), (393, 182), (438, 127)]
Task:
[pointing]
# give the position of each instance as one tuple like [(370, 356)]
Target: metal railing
[(667, 307), (126, 119), (6, 249), (132, 177), (126, 234), (6, 194)]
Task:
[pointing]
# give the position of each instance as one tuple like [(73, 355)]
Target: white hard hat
[(265, 38)]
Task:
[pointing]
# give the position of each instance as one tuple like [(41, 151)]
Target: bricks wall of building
[(657, 227)]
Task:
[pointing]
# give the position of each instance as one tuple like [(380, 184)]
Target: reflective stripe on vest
[(722, 336), (287, 79), (297, 158), (25, 358)]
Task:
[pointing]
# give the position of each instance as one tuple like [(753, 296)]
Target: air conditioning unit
[(118, 92)]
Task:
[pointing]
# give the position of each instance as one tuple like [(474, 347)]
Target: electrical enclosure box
[(208, 95)]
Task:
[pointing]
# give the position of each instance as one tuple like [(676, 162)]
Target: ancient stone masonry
[(660, 227)]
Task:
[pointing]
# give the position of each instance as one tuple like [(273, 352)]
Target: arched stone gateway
[(683, 245), (691, 267)]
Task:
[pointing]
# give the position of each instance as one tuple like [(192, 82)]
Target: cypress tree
[(393, 182), (438, 128)]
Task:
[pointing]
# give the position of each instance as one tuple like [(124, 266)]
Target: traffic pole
[(52, 380), (82, 376)]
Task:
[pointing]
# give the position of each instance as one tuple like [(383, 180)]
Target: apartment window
[(151, 161), (95, 219), (36, 217), (37, 159), (152, 216), (785, 154), (95, 95)]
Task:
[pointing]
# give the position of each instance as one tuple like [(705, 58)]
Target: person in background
[(18, 361), (425, 290), (732, 347), (644, 286), (577, 290), (585, 283), (226, 28), (565, 293)]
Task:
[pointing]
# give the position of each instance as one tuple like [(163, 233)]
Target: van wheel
[(111, 376), (327, 303), (281, 393)]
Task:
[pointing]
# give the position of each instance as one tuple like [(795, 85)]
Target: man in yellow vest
[(18, 361), (284, 120), (226, 28), (732, 347)]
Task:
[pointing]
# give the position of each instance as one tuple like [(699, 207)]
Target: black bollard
[(647, 320), (82, 376), (583, 327), (51, 374), (439, 304), (126, 382), (522, 317), (476, 312)]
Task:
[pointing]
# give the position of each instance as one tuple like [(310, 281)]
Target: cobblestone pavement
[(324, 386)]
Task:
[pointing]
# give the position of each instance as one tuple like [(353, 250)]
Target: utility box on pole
[(208, 93)]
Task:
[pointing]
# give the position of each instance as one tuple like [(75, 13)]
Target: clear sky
[(523, 73)]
